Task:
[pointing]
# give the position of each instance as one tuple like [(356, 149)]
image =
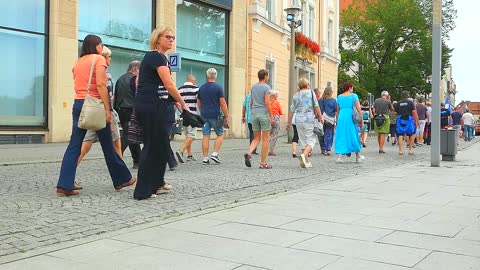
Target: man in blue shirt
[(211, 103), (457, 121), (246, 117)]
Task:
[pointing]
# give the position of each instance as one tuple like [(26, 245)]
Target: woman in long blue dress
[(347, 140)]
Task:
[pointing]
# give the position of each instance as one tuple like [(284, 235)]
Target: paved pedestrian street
[(389, 213)]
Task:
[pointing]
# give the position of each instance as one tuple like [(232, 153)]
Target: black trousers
[(155, 152), (250, 129), (124, 115), (428, 133)]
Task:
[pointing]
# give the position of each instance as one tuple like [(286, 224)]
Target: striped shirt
[(188, 92)]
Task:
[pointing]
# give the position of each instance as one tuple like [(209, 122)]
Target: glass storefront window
[(23, 45), (201, 32), (26, 15), (201, 41), (121, 23), (23, 74)]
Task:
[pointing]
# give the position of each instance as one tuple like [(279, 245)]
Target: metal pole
[(436, 76), (291, 75)]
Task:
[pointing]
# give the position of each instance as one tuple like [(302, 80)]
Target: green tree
[(391, 42)]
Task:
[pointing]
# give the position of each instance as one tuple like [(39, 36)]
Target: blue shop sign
[(175, 62)]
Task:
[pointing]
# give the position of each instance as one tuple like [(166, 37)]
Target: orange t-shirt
[(276, 108), (81, 71)]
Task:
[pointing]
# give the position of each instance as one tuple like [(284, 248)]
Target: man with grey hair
[(381, 119), (213, 109), (123, 104)]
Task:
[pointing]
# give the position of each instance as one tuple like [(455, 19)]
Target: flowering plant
[(302, 42)]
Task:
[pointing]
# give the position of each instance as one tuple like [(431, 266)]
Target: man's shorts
[(405, 126), (421, 125), (191, 132), (261, 121), (91, 136), (212, 123)]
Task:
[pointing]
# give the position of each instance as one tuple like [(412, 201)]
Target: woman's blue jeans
[(116, 167)]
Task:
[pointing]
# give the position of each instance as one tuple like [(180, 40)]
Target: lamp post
[(436, 74), (292, 14)]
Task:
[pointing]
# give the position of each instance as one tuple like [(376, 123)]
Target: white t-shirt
[(468, 119), (429, 110)]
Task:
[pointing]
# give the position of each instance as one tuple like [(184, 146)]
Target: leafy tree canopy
[(390, 40)]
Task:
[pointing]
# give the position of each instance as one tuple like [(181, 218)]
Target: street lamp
[(436, 75), (292, 14)]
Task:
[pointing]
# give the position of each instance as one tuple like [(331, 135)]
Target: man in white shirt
[(468, 125), (188, 91)]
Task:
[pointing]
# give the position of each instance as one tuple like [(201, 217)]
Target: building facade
[(41, 39), (268, 44)]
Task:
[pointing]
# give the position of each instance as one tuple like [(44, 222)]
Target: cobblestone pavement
[(32, 216)]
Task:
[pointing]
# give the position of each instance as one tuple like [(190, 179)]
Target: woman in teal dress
[(347, 140)]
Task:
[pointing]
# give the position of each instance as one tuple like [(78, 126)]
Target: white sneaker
[(308, 165), (303, 161), (360, 159), (339, 160)]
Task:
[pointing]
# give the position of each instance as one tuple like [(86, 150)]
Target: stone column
[(237, 67), (63, 52)]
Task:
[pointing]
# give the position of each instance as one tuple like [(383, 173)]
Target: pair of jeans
[(124, 115), (327, 140), (116, 167), (156, 147), (467, 132)]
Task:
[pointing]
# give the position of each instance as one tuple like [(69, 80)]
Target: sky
[(465, 40)]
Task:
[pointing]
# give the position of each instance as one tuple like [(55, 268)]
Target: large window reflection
[(22, 50), (26, 15), (201, 32), (201, 40), (121, 23)]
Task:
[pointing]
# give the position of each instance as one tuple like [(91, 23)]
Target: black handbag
[(191, 119), (379, 120)]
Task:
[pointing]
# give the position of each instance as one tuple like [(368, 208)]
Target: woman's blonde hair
[(156, 34), (106, 51), (303, 83), (328, 92)]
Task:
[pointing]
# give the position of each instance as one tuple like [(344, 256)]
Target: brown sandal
[(126, 184), (265, 166)]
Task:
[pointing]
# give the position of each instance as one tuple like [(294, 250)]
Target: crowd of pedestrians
[(145, 102)]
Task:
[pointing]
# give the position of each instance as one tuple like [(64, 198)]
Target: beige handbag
[(92, 116)]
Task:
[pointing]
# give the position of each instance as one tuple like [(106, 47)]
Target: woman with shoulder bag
[(347, 140), (305, 108), (155, 112), (89, 73), (91, 136), (328, 105)]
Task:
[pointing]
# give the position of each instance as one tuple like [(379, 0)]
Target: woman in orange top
[(121, 177), (276, 112)]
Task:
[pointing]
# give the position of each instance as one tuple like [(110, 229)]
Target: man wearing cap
[(381, 119)]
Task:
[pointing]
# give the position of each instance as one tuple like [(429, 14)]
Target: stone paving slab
[(262, 255), (306, 229), (447, 261)]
